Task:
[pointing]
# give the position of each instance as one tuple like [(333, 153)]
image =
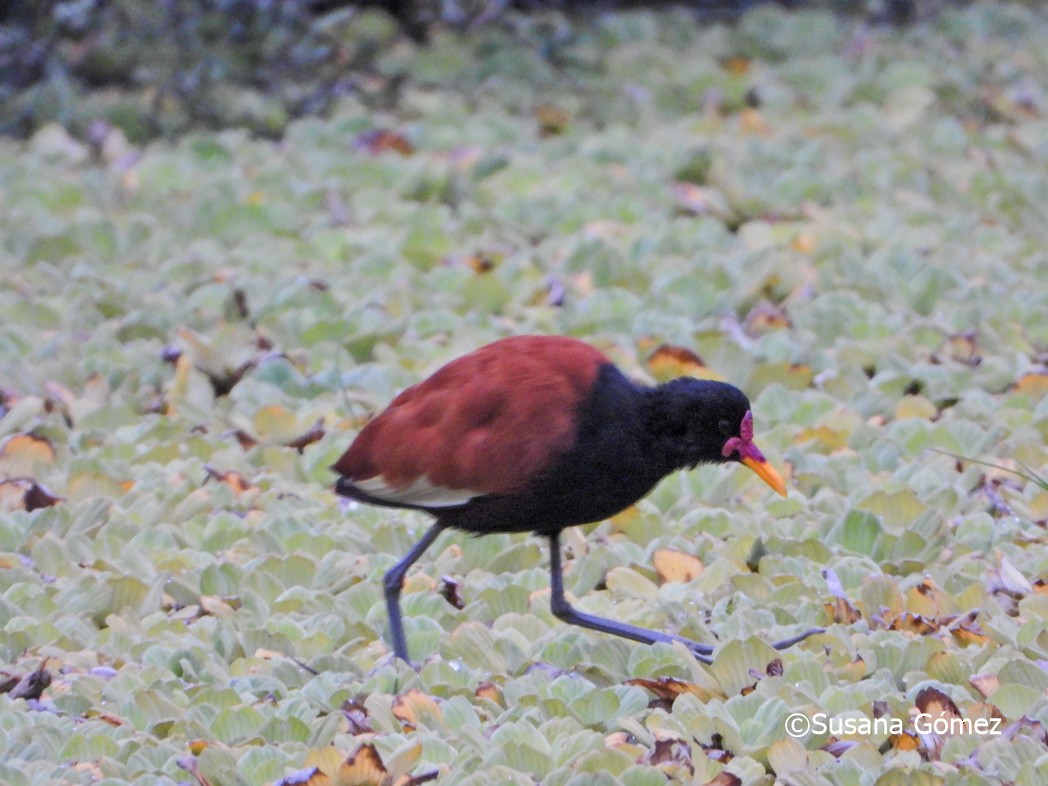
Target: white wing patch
[(421, 493)]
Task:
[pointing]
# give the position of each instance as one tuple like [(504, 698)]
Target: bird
[(537, 433)]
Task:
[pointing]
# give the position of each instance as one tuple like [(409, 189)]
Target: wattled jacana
[(539, 433)]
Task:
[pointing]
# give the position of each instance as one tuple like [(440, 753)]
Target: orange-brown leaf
[(552, 119), (724, 778), (842, 612), (382, 140), (231, 478), (906, 741), (311, 776), (1033, 384)]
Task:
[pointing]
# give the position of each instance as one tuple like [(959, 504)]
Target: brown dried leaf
[(701, 201), (217, 607), (311, 776), (231, 478), (959, 348), (25, 494), (853, 671), (934, 703), (914, 624), (33, 684), (552, 119), (363, 768), (804, 243), (926, 599), (907, 741), (481, 262), (751, 121), (671, 752), (356, 716), (382, 140), (451, 589), (315, 434), (838, 748), (669, 361), (192, 765), (246, 440), (490, 691), (724, 778), (736, 65), (967, 631), (986, 684), (764, 318), (842, 612), (669, 688)]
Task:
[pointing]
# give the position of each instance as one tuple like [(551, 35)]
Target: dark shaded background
[(162, 68)]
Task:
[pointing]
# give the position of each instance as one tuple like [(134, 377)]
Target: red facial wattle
[(750, 455)]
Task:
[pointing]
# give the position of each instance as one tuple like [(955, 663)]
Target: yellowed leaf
[(25, 494), (25, 454), (829, 438), (915, 407), (363, 768), (751, 121), (804, 243), (490, 691), (986, 684), (669, 361), (327, 759), (1033, 384), (413, 705), (675, 566)]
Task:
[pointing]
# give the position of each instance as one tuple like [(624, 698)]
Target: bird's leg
[(568, 613), (394, 581)]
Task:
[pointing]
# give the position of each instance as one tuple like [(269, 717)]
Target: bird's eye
[(724, 427)]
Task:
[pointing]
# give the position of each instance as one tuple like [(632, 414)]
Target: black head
[(697, 421)]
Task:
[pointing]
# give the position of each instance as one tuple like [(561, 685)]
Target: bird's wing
[(486, 423)]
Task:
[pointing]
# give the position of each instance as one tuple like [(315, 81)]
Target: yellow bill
[(766, 472)]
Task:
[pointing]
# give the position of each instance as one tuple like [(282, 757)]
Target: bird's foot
[(704, 652), (781, 645), (701, 652)]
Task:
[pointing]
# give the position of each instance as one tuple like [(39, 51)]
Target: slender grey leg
[(568, 613), (394, 581), (565, 611)]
